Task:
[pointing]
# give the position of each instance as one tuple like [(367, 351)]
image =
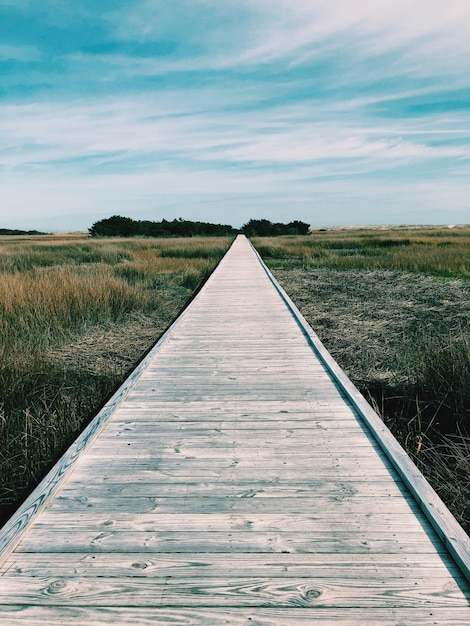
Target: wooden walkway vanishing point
[(236, 478)]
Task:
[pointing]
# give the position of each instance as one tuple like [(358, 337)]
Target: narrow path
[(231, 482)]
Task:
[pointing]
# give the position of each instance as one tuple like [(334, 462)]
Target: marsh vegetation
[(391, 305)]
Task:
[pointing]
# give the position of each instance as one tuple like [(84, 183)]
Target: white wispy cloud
[(243, 104), (142, 134), (239, 33)]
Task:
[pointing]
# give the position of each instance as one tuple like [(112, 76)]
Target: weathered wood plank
[(234, 592), (303, 463), (213, 565), (345, 541), (148, 445), (147, 471), (311, 434), (141, 616), (387, 523), (294, 490), (233, 408), (247, 505), (333, 421)]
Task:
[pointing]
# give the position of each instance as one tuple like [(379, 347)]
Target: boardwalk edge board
[(447, 527), (15, 527)]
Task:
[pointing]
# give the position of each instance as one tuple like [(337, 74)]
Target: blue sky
[(336, 112)]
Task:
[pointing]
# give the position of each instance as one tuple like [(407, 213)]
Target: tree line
[(14, 231), (117, 226), (265, 228)]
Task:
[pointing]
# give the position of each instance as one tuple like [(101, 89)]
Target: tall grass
[(440, 251), (55, 291), (430, 415), (41, 307)]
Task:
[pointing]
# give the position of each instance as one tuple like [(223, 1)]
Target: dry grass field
[(76, 316), (393, 307)]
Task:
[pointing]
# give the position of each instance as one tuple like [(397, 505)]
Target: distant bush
[(265, 228), (9, 231), (117, 226)]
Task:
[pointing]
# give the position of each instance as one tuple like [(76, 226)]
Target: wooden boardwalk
[(234, 480)]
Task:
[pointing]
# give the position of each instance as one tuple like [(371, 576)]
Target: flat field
[(392, 305)]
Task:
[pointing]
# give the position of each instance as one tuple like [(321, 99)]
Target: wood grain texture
[(222, 616), (233, 592), (232, 481), (277, 565)]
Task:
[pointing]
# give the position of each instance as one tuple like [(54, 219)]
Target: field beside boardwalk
[(391, 305), (393, 308), (76, 316)]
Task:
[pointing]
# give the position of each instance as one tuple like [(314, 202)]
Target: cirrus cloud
[(274, 104)]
